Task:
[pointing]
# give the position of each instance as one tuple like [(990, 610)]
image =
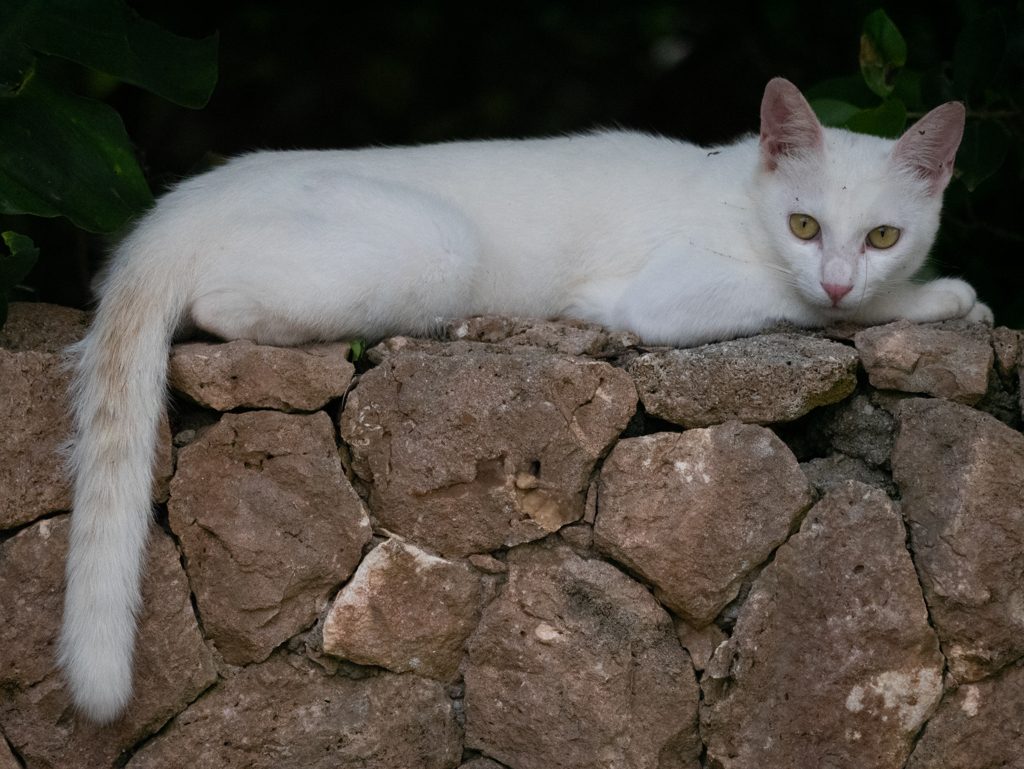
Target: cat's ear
[(788, 124), (929, 146)]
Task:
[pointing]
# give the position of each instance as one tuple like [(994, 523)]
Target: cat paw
[(943, 299), (981, 313)]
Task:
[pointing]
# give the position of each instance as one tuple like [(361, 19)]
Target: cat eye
[(884, 236), (806, 227)]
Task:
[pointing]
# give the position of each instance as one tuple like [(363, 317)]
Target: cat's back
[(615, 165)]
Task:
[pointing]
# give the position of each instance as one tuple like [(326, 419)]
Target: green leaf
[(978, 55), (62, 155), (14, 268), (882, 52), (108, 36), (889, 120), (358, 346), (850, 89), (832, 112), (907, 88), (981, 153)]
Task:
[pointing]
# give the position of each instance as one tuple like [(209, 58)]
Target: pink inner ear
[(788, 124), (929, 146)]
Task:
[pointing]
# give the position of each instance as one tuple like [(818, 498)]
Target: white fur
[(681, 244)]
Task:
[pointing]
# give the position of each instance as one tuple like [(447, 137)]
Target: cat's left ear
[(929, 146), (788, 124)]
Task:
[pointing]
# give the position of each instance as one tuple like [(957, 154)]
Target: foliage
[(985, 74), (63, 155), (14, 268)]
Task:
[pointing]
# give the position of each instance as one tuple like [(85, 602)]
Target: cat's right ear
[(929, 146), (788, 124)]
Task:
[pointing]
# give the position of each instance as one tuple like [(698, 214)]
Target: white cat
[(678, 243)]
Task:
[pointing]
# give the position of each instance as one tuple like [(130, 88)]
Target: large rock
[(405, 610), (470, 448), (269, 527), (977, 726), (949, 360), (243, 374), (694, 512), (760, 380), (277, 715), (172, 664), (34, 412), (832, 661), (961, 479), (575, 665)]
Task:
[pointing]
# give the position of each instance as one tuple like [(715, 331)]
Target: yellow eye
[(806, 227), (884, 236)]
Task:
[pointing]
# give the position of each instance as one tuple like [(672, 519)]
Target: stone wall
[(538, 545)]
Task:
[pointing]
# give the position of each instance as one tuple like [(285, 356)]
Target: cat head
[(847, 213)]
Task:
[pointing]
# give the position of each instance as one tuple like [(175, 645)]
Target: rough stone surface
[(1003, 399), (961, 479), (857, 428), (575, 665), (760, 380), (469, 449), (243, 374), (825, 473), (700, 643), (488, 564), (949, 360), (978, 726), (268, 524), (277, 715), (172, 664), (1008, 345), (832, 662), (8, 761), (694, 512), (578, 535), (34, 413), (405, 610), (40, 327), (566, 336)]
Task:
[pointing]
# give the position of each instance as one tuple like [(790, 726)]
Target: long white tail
[(118, 396)]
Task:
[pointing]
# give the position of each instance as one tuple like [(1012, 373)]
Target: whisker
[(766, 265)]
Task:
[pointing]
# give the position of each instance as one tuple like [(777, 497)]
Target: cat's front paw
[(981, 313), (943, 299)]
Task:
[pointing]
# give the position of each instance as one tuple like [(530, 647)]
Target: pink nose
[(836, 292)]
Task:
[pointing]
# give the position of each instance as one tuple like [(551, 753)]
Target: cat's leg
[(937, 300), (682, 298), (381, 260)]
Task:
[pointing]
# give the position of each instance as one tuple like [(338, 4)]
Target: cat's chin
[(825, 313)]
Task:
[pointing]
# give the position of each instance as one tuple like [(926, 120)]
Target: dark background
[(335, 75)]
